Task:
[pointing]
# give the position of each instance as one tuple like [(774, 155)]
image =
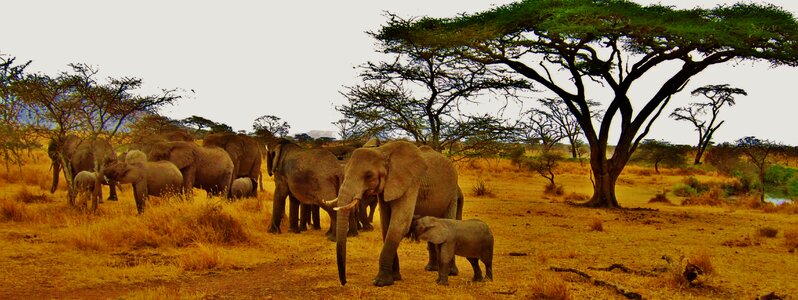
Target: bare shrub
[(595, 224), (25, 196), (660, 197), (554, 189), (549, 287), (482, 188), (703, 259), (692, 270)]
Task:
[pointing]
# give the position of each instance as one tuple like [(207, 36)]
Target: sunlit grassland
[(207, 247)]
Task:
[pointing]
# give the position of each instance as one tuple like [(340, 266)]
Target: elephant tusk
[(332, 202), (348, 206)]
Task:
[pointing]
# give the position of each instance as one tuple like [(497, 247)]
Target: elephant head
[(387, 172), (429, 229), (276, 155), (52, 152)]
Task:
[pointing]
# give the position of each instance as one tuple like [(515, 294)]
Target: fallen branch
[(510, 292), (599, 282), (628, 270)]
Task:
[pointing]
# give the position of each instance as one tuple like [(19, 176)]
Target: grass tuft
[(554, 189), (203, 257), (482, 188), (791, 238), (25, 196), (595, 224), (549, 287), (768, 232), (660, 197)]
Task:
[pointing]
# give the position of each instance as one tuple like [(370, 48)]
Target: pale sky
[(290, 59)]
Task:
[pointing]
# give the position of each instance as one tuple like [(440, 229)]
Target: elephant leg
[(140, 194), (304, 216), (278, 205), (475, 265), (445, 257), (293, 213), (112, 191), (432, 264), (487, 259), (315, 216), (398, 218)]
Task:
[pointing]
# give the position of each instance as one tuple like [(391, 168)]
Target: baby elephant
[(86, 186), (471, 239), (243, 187)]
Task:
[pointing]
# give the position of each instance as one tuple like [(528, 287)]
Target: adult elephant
[(408, 181), (208, 168), (245, 153), (82, 155), (149, 178), (306, 176)]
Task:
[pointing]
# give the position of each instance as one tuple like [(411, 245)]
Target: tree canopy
[(612, 43)]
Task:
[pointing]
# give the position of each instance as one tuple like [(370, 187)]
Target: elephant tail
[(460, 200)]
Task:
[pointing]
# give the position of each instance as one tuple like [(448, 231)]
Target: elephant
[(82, 155), (245, 152), (470, 238), (242, 187), (309, 215), (149, 178), (86, 186), (306, 176), (407, 181), (208, 168)]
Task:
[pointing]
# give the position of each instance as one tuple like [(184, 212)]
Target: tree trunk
[(604, 191)]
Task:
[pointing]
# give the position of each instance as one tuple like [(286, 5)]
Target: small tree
[(202, 125), (718, 96), (757, 151), (271, 124), (552, 122), (661, 152), (546, 165)]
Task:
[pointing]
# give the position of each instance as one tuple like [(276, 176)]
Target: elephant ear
[(405, 167)]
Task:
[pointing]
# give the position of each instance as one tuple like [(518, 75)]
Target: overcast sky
[(290, 59)]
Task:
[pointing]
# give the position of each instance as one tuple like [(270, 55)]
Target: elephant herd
[(407, 181)]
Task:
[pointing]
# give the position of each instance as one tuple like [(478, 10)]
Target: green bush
[(684, 190)]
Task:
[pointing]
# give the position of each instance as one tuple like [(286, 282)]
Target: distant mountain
[(321, 133)]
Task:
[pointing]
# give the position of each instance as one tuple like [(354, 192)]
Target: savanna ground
[(213, 249)]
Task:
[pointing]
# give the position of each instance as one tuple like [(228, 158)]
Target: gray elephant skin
[(306, 176), (149, 178), (83, 155), (471, 239), (86, 185), (208, 168), (244, 151), (408, 181), (242, 187)]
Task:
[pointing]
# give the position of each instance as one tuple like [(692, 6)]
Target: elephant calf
[(149, 178), (86, 186), (470, 238), (243, 187)]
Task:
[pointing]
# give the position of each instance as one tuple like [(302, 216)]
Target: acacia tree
[(718, 95), (15, 134), (271, 124), (661, 152), (613, 43), (418, 91)]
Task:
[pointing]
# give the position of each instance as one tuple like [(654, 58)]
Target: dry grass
[(554, 189), (212, 248), (548, 287), (482, 189), (712, 197)]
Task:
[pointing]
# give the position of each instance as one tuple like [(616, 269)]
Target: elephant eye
[(369, 175)]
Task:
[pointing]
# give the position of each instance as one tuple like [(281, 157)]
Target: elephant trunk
[(56, 169), (341, 229)]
